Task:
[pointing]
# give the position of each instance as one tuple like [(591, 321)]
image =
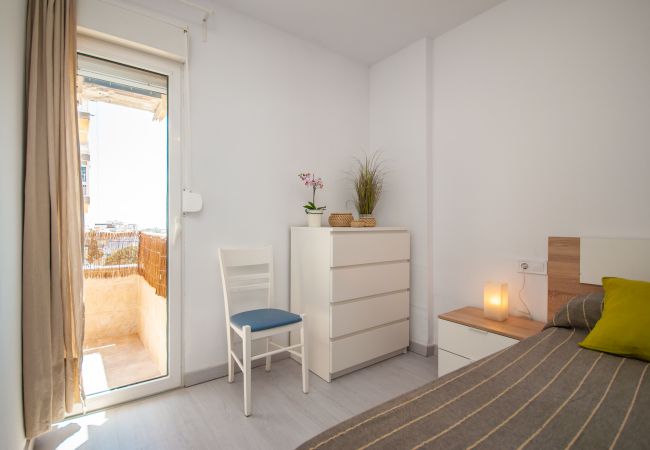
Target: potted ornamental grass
[(368, 183), (314, 213)]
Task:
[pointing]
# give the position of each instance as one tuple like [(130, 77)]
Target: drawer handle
[(485, 333)]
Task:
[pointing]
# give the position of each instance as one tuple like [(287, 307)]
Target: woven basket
[(357, 224), (340, 219), (368, 221)]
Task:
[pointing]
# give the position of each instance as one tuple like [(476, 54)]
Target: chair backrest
[(245, 269)]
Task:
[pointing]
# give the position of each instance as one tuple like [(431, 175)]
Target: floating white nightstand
[(465, 336)]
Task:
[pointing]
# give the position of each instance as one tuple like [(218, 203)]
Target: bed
[(545, 392)]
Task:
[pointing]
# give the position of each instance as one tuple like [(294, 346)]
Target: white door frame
[(173, 70)]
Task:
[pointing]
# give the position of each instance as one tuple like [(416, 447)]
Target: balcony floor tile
[(116, 361)]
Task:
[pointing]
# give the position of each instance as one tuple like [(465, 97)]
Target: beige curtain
[(53, 240)]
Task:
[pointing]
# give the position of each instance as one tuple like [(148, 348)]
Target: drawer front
[(448, 362), (353, 248), (359, 315), (352, 282), (359, 348), (470, 342)]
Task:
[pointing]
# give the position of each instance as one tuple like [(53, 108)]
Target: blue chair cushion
[(263, 319)]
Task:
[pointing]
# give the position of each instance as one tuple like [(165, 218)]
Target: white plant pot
[(314, 219)]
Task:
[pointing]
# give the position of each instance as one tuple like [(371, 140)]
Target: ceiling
[(365, 30)]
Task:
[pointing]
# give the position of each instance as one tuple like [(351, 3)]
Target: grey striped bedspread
[(544, 393)]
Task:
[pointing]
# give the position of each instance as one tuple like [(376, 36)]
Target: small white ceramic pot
[(314, 219)]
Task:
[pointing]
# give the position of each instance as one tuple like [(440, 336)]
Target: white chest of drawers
[(353, 284)]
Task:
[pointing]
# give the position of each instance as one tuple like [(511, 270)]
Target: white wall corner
[(401, 127), (431, 313)]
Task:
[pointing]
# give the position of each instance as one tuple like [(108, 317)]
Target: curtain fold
[(53, 219)]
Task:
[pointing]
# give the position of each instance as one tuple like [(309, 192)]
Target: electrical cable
[(521, 299)]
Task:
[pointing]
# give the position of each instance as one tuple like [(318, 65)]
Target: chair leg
[(231, 365), (305, 357), (268, 358), (247, 370)]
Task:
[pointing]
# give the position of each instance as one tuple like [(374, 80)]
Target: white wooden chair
[(252, 270)]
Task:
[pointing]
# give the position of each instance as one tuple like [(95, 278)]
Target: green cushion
[(624, 328)]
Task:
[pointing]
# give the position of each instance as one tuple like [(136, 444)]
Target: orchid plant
[(310, 180)]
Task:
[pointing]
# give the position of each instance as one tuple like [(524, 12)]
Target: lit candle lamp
[(495, 301)]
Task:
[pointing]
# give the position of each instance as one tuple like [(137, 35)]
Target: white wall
[(264, 107), (400, 128), (540, 129), (527, 107), (12, 36)]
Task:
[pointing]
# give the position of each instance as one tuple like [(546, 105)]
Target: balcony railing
[(115, 254)]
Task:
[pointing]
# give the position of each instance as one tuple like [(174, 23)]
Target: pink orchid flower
[(310, 180)]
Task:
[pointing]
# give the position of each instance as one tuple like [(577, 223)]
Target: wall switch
[(534, 267)]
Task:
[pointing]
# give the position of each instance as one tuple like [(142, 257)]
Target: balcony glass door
[(128, 117)]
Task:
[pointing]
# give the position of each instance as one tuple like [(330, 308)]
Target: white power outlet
[(531, 266)]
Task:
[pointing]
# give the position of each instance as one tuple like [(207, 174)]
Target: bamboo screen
[(110, 254), (114, 254), (152, 261)]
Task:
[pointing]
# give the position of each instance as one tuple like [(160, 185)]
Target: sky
[(128, 167)]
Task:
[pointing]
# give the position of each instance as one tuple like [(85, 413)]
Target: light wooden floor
[(209, 415)]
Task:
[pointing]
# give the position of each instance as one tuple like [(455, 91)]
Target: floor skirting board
[(421, 349), (220, 371)]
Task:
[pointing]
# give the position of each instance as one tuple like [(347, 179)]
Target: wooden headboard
[(564, 273)]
